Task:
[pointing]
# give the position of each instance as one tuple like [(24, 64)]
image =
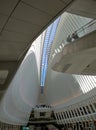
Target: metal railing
[(87, 28), (84, 30)]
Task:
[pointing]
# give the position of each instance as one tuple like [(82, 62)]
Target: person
[(75, 35), (69, 39)]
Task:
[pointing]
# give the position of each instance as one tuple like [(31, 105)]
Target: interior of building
[(47, 65)]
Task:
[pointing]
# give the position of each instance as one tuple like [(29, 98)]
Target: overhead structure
[(21, 22), (66, 70)]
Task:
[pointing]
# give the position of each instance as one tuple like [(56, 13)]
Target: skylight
[(49, 36)]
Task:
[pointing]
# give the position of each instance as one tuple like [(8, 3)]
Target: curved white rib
[(22, 94), (60, 88)]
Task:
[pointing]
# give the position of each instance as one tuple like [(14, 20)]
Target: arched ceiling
[(21, 21)]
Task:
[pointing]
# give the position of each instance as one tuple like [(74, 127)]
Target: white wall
[(60, 88), (69, 23), (22, 93)]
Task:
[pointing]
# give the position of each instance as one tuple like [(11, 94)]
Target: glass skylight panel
[(49, 36)]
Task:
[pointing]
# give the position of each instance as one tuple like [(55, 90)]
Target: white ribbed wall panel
[(57, 82), (23, 92), (38, 47), (69, 23), (86, 82), (60, 88)]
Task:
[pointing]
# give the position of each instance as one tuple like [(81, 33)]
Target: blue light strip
[(49, 36)]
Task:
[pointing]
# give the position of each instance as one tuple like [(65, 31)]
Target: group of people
[(72, 37)]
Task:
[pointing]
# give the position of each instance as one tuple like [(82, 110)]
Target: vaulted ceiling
[(21, 21)]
